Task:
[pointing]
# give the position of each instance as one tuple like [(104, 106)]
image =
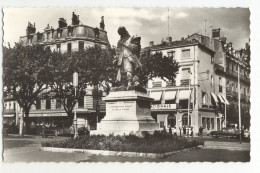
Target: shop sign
[(163, 107), (48, 115)]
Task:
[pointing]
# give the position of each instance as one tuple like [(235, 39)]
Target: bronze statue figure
[(127, 59)]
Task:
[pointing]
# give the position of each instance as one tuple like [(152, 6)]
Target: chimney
[(151, 43), (30, 29), (216, 33), (168, 40), (62, 23), (75, 19), (102, 23), (223, 40), (247, 45)]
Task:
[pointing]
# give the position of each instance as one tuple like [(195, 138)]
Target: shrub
[(159, 142)]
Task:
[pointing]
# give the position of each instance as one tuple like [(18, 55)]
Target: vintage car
[(228, 132)]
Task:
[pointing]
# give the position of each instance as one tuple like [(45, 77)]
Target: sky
[(149, 23)]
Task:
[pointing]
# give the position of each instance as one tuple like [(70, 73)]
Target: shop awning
[(221, 99), (184, 94), (225, 99), (215, 98), (8, 115), (170, 95), (156, 95)]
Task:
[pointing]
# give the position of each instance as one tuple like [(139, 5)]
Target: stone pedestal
[(127, 112)]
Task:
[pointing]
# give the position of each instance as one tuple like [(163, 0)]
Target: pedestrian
[(170, 130), (174, 131), (200, 130)]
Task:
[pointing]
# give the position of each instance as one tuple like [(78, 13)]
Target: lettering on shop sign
[(48, 115), (163, 106), (120, 107)]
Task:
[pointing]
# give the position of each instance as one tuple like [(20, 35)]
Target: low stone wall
[(116, 153)]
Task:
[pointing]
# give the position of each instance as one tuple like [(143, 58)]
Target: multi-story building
[(227, 63), (67, 38), (192, 93)]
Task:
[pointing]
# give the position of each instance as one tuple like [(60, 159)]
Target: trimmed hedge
[(159, 142)]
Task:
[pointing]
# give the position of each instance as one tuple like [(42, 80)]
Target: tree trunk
[(21, 124), (26, 120)]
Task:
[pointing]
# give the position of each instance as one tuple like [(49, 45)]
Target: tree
[(93, 65), (25, 71), (157, 65)]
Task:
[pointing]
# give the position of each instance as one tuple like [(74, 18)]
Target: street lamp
[(75, 84), (189, 103)]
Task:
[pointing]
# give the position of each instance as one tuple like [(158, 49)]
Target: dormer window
[(59, 32), (39, 36), (96, 33), (70, 29)]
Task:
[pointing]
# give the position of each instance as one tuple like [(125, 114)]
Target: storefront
[(164, 115)]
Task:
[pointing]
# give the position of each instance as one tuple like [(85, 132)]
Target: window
[(69, 47), (204, 97), (48, 103), (59, 33), (171, 54), (183, 104), (220, 84), (157, 84), (171, 121), (48, 36), (81, 45), (185, 53), (185, 120), (204, 122), (58, 104), (185, 73), (212, 123), (244, 90), (58, 47), (81, 102), (211, 80), (212, 59), (30, 40), (161, 124), (38, 103)]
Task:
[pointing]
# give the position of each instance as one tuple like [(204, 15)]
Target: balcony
[(234, 75), (219, 68), (170, 83), (157, 84), (9, 111), (185, 82)]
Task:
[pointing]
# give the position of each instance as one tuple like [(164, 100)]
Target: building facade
[(228, 62), (192, 93), (66, 38)]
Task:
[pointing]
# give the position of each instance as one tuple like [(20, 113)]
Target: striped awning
[(156, 95), (214, 96), (225, 99), (170, 95), (184, 94), (221, 99)]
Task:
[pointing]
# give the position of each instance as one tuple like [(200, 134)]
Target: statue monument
[(128, 106)]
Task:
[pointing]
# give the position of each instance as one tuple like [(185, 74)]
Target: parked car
[(228, 132), (47, 131)]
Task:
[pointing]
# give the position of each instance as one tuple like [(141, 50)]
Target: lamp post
[(239, 110), (189, 104), (75, 84)]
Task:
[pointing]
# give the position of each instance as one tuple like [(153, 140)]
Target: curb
[(117, 153)]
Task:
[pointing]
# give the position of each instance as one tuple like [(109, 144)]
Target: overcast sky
[(149, 23)]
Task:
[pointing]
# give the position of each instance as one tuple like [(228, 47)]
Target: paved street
[(26, 149)]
